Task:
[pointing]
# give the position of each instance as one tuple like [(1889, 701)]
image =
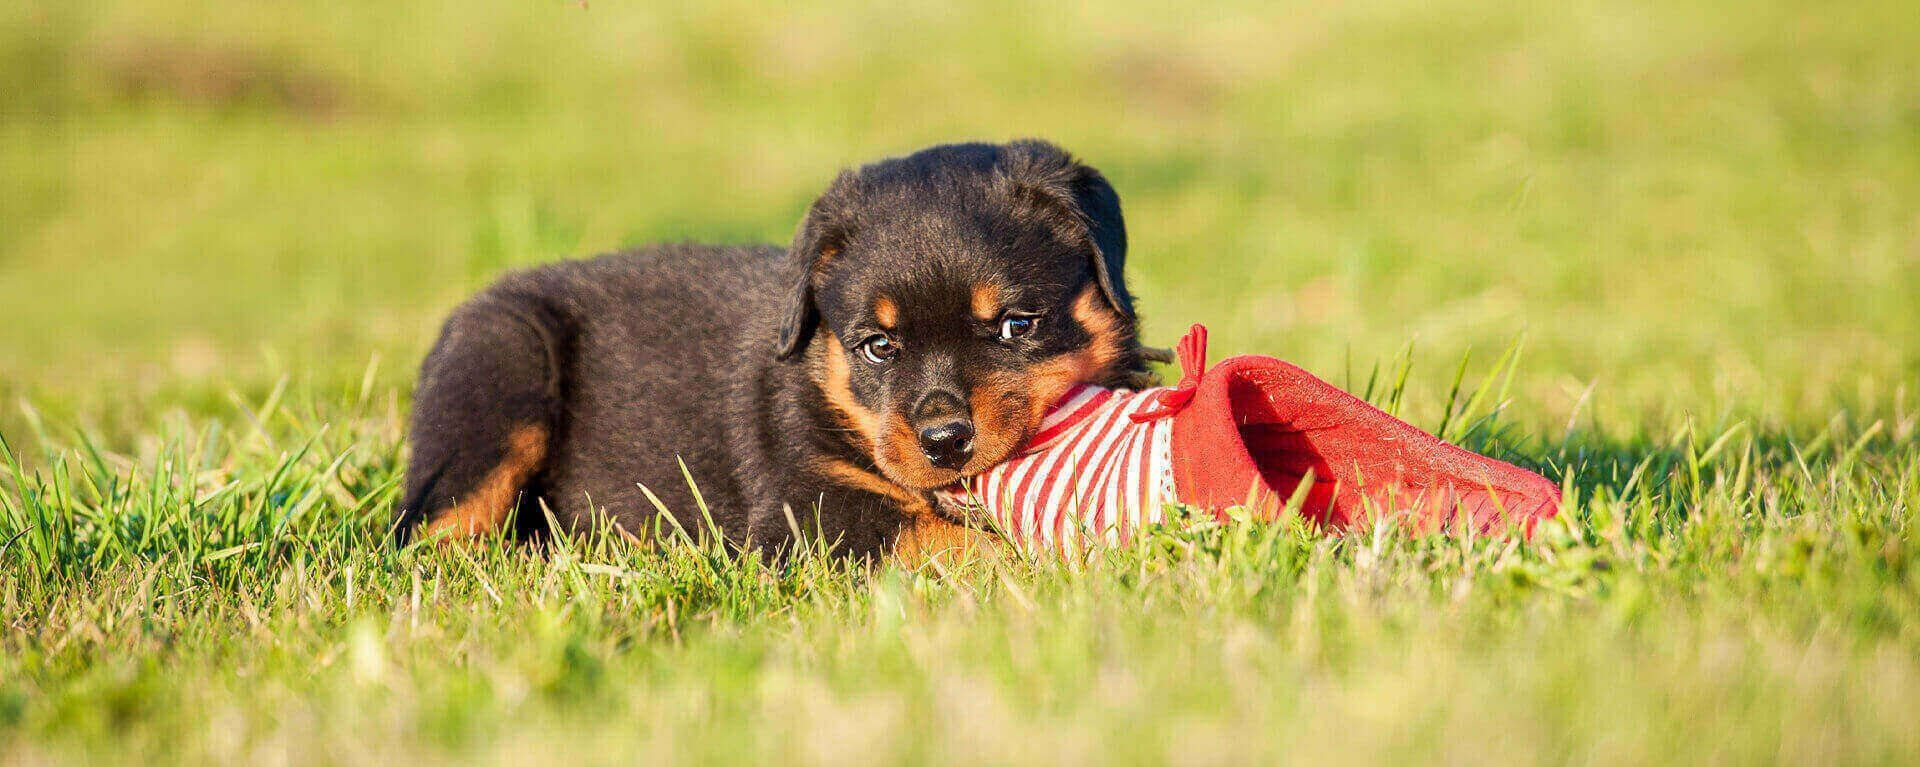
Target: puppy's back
[(584, 379)]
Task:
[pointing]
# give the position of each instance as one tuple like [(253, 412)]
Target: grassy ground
[(227, 232)]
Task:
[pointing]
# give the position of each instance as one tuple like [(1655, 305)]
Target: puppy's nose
[(948, 445)]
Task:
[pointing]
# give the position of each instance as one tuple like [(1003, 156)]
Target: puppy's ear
[(1101, 206), (821, 235), (1077, 202)]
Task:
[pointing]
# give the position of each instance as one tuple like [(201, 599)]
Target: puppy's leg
[(926, 536), (484, 416), (865, 516)]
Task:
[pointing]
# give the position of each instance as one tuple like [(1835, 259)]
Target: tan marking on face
[(1054, 377), (487, 507), (836, 384), (889, 438), (986, 301), (1101, 322), (1002, 417), (886, 312), (1008, 406), (898, 455)]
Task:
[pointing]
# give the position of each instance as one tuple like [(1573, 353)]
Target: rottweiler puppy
[(930, 309)]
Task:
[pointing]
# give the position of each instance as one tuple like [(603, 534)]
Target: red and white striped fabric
[(1091, 475)]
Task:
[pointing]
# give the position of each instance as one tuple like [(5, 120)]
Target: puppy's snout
[(948, 445), (946, 432)]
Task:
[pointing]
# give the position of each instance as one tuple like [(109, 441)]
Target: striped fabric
[(1090, 476)]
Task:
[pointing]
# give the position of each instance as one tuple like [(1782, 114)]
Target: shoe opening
[(1282, 452)]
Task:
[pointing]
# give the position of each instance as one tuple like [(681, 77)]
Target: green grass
[(227, 233)]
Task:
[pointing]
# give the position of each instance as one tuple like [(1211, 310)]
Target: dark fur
[(631, 362)]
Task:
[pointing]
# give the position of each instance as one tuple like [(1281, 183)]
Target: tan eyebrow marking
[(886, 312), (986, 301)]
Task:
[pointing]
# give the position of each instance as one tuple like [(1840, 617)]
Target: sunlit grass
[(231, 593)]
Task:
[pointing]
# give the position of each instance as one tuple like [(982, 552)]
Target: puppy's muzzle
[(945, 430)]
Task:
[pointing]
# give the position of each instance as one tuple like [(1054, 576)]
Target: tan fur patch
[(923, 539), (1003, 416), (899, 455), (486, 508), (890, 441), (1008, 407), (836, 384), (861, 479), (924, 534), (886, 312), (1100, 321), (986, 301), (1051, 379)]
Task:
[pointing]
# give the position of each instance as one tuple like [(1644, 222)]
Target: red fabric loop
[(1192, 351)]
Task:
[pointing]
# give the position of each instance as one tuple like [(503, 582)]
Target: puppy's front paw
[(927, 537)]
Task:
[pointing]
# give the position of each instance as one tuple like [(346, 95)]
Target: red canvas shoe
[(1245, 433)]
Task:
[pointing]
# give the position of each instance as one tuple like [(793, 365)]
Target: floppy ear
[(1077, 201), (1100, 205), (820, 236)]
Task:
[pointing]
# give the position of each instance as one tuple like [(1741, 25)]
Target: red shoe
[(1242, 434)]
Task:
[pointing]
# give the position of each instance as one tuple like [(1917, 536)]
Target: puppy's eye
[(1015, 326), (879, 350)]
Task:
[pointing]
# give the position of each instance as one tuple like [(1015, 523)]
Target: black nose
[(949, 445)]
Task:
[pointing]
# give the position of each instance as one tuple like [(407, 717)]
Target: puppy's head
[(947, 298)]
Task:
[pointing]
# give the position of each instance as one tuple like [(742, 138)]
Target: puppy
[(930, 309)]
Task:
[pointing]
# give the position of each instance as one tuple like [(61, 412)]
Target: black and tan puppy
[(930, 309)]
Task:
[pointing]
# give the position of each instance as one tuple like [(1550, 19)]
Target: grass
[(227, 233), (1731, 597)]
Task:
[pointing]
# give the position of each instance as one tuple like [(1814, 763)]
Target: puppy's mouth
[(903, 462), (1005, 415)]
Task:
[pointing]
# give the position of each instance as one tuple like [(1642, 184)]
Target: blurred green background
[(1692, 207)]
